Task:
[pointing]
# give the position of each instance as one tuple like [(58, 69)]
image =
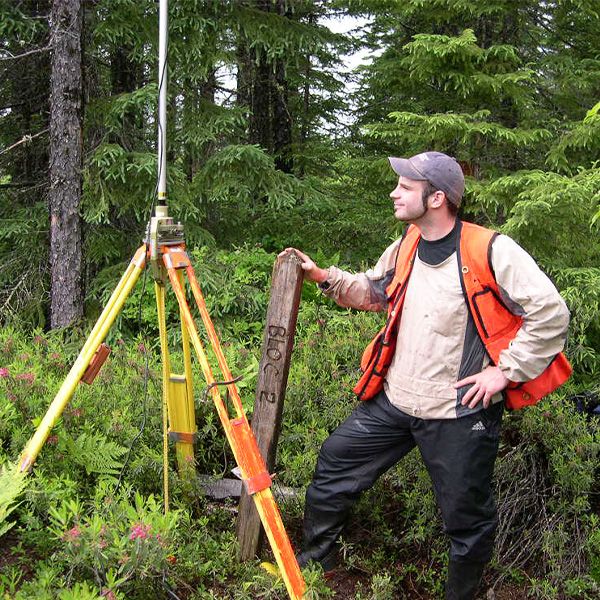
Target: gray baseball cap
[(441, 170)]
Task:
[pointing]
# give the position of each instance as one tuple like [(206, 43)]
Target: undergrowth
[(90, 522)]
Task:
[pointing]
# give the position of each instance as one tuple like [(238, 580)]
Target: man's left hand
[(485, 384)]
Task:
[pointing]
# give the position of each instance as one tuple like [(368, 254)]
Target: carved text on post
[(276, 336)]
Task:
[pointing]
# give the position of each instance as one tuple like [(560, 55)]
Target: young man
[(472, 323)]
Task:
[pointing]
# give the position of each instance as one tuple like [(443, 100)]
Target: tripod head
[(162, 231)]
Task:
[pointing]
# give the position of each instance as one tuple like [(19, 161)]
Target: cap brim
[(403, 168)]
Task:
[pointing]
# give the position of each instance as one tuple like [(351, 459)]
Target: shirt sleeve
[(529, 293), (365, 291)]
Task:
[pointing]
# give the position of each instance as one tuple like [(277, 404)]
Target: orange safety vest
[(496, 325)]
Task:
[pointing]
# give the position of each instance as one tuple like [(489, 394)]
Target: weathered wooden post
[(282, 314)]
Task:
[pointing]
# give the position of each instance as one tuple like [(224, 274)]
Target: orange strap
[(183, 436)]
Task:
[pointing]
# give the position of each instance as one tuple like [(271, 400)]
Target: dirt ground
[(345, 582)]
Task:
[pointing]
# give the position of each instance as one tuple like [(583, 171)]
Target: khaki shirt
[(431, 335)]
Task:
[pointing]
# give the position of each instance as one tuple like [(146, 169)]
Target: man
[(472, 323)]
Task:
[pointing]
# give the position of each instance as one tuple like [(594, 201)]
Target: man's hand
[(485, 384), (311, 270)]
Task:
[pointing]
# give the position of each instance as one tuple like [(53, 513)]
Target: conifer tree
[(25, 90), (218, 178), (64, 194)]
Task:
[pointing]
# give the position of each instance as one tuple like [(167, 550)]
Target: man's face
[(408, 199)]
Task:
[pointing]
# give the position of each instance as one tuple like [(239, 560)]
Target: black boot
[(463, 580), (328, 562), (321, 531)]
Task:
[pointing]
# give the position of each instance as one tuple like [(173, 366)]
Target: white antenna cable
[(163, 39)]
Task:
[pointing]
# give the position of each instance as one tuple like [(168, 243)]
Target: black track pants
[(459, 455)]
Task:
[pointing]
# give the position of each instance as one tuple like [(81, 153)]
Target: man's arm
[(529, 293), (364, 291)]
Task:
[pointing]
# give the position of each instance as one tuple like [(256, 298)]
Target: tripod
[(170, 264), (164, 247)]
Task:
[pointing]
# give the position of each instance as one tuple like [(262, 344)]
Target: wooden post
[(282, 314)]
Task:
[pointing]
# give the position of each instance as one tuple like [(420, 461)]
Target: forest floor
[(344, 582)]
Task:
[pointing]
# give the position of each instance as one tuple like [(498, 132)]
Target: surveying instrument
[(164, 249)]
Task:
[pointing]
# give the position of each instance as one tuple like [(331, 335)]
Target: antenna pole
[(163, 23), (162, 230)]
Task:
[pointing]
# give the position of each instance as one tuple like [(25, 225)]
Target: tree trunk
[(244, 73), (27, 91), (282, 121), (260, 116), (270, 123), (65, 163), (281, 118)]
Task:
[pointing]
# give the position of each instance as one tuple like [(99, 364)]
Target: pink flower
[(4, 372), (28, 377), (72, 536), (141, 348), (139, 530), (52, 440), (38, 339), (108, 594), (75, 531), (102, 543)]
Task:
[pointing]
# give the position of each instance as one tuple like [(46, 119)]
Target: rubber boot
[(321, 531), (463, 580)]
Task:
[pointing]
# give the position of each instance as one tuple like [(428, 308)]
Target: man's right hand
[(311, 270)]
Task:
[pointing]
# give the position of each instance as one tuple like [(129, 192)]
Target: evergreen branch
[(6, 304), (24, 140), (28, 53)]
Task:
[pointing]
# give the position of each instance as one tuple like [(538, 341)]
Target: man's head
[(435, 173)]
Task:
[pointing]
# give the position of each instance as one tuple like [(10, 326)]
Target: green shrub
[(546, 475), (121, 546)]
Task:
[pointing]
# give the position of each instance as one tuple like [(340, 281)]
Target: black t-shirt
[(437, 251)]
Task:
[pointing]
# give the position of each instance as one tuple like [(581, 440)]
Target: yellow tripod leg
[(159, 292), (177, 393), (96, 337), (239, 435), (187, 396)]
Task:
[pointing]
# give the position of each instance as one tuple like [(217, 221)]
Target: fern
[(96, 454), (80, 591), (12, 483)]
